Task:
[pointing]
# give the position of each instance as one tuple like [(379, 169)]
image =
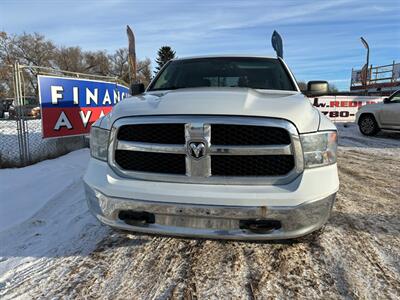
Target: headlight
[(319, 148), (99, 143)]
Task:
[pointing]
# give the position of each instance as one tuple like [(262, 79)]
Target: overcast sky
[(321, 38)]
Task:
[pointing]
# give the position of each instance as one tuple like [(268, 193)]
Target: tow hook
[(260, 225), (136, 218)]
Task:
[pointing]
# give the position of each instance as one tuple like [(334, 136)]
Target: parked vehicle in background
[(5, 104), (29, 109), (373, 118), (217, 147)]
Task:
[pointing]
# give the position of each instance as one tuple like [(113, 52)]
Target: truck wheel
[(368, 125)]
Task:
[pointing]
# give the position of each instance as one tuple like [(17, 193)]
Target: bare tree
[(36, 50), (33, 50), (70, 59), (6, 59), (97, 63), (6, 49), (120, 67), (119, 64), (144, 71), (30, 50), (75, 60)]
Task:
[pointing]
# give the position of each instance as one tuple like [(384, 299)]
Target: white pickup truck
[(216, 147)]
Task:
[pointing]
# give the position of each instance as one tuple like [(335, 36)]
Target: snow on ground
[(24, 191), (383, 142), (61, 251), (43, 216)]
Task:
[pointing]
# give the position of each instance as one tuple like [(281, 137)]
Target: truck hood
[(292, 106)]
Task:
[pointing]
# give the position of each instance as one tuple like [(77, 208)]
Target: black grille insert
[(247, 165), (153, 133), (223, 134), (151, 162)]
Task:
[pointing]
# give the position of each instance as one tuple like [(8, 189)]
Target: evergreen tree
[(165, 53)]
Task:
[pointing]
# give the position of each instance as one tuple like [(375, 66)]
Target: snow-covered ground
[(43, 217), (51, 247), (351, 138), (25, 191)]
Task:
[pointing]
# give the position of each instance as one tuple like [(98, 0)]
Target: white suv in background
[(373, 118), (216, 147)]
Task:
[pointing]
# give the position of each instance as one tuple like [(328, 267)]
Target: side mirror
[(317, 88), (137, 89), (386, 100)]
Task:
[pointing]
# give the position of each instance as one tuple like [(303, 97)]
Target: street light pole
[(367, 64)]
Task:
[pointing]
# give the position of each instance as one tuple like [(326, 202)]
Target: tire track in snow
[(37, 255)]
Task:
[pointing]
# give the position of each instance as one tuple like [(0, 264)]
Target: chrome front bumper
[(211, 221)]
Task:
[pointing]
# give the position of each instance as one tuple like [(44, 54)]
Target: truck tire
[(368, 125)]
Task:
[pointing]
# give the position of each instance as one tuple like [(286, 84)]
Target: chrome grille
[(261, 151)]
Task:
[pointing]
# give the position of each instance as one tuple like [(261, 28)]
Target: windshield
[(256, 73)]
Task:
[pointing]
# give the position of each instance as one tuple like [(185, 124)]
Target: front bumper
[(211, 221)]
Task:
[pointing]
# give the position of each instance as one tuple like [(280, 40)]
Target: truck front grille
[(226, 134), (153, 133), (151, 162), (254, 165), (211, 150)]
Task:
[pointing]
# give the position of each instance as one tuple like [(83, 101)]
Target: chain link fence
[(9, 148), (36, 148), (21, 141)]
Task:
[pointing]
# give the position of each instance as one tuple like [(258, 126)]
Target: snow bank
[(25, 191)]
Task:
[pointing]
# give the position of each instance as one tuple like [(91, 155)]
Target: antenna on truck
[(277, 43)]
